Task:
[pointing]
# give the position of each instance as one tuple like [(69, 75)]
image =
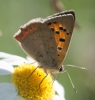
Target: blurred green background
[(14, 13)]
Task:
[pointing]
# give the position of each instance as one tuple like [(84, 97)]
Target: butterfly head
[(60, 69)]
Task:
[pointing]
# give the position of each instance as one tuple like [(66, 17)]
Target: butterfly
[(47, 40)]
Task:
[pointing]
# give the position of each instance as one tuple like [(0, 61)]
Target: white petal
[(5, 68), (31, 60), (18, 98), (56, 97), (59, 89), (17, 62), (12, 59), (7, 91)]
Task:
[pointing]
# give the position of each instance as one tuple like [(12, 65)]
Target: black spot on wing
[(62, 40)]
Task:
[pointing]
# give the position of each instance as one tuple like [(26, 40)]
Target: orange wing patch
[(62, 38), (23, 32), (59, 34)]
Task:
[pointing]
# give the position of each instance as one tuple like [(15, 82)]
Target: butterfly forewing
[(62, 28)]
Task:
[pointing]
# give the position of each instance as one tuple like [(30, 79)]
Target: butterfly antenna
[(71, 82), (76, 66)]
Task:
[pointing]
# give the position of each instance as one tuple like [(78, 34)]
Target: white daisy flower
[(27, 81)]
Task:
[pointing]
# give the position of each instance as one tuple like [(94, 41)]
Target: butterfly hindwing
[(39, 43)]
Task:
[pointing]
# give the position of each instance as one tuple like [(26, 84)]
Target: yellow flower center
[(33, 83)]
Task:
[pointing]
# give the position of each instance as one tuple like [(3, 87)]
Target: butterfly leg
[(53, 78), (33, 62), (43, 78), (32, 72)]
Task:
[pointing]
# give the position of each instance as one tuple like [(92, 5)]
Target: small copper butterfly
[(47, 40)]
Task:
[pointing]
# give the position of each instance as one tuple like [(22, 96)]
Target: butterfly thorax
[(52, 69)]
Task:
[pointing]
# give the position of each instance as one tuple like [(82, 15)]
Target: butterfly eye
[(61, 68)]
